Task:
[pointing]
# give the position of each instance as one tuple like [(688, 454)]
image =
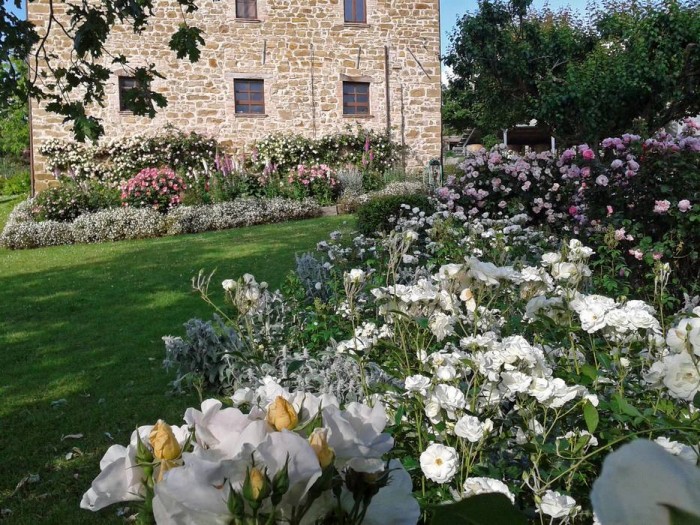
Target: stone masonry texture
[(302, 50)]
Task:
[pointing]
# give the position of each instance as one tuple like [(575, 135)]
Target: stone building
[(306, 66)]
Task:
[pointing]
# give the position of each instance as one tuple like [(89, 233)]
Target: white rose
[(680, 450), (417, 383), (355, 276), (449, 397), (564, 270), (682, 377), (228, 285), (439, 463), (685, 336), (551, 258), (475, 486), (515, 381), (471, 429), (441, 325), (446, 373), (655, 375), (557, 505)]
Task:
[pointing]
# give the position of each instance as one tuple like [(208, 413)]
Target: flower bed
[(634, 199), (500, 367), (114, 224)]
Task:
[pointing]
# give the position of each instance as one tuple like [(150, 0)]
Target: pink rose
[(661, 206), (684, 205), (588, 154)]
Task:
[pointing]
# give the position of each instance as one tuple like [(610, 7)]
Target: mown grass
[(81, 350)]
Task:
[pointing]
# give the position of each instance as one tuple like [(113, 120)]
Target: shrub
[(115, 161), (350, 202), (315, 181), (204, 358), (118, 224), (68, 201), (380, 213), (347, 148), (157, 188), (18, 184)]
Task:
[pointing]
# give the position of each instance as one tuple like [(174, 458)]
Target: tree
[(14, 117), (628, 67), (68, 88)]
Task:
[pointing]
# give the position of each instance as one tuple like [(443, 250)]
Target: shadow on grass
[(81, 348)]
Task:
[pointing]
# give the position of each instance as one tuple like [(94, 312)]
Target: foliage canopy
[(628, 66)]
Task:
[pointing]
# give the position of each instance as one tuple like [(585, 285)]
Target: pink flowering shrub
[(317, 181), (157, 188), (637, 200), (502, 183)]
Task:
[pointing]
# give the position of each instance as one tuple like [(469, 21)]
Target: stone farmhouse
[(305, 66)]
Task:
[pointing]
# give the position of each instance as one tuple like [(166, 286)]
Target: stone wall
[(294, 44)]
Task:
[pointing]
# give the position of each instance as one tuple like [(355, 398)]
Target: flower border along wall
[(115, 224)]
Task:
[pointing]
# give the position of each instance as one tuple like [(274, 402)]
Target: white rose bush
[(456, 366)]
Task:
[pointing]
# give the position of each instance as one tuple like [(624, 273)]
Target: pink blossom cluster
[(502, 182), (307, 175), (157, 188)]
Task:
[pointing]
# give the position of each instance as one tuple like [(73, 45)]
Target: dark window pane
[(355, 11), (355, 98), (249, 96), (126, 85), (246, 9)]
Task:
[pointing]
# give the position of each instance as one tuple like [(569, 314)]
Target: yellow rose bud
[(165, 446), (257, 483), (281, 414), (319, 443)]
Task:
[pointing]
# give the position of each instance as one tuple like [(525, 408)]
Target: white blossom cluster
[(22, 231)]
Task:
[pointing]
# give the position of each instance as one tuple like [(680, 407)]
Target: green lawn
[(81, 349)]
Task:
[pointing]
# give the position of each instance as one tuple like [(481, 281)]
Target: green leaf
[(294, 366), (696, 399), (590, 414), (484, 509), (186, 41), (680, 516)]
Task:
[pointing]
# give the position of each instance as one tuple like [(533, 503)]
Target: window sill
[(358, 116), (251, 115), (356, 25), (247, 21)]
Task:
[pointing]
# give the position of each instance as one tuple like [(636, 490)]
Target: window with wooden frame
[(355, 98), (126, 85), (355, 11), (247, 9), (249, 96)]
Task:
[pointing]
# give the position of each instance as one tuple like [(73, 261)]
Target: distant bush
[(380, 213), (68, 201)]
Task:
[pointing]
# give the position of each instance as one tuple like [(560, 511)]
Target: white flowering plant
[(501, 367), (286, 457)]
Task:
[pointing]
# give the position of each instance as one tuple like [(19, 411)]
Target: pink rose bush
[(157, 188), (317, 180)]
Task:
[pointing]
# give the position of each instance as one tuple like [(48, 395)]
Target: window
[(126, 85), (247, 9), (355, 11), (249, 96), (355, 98)]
